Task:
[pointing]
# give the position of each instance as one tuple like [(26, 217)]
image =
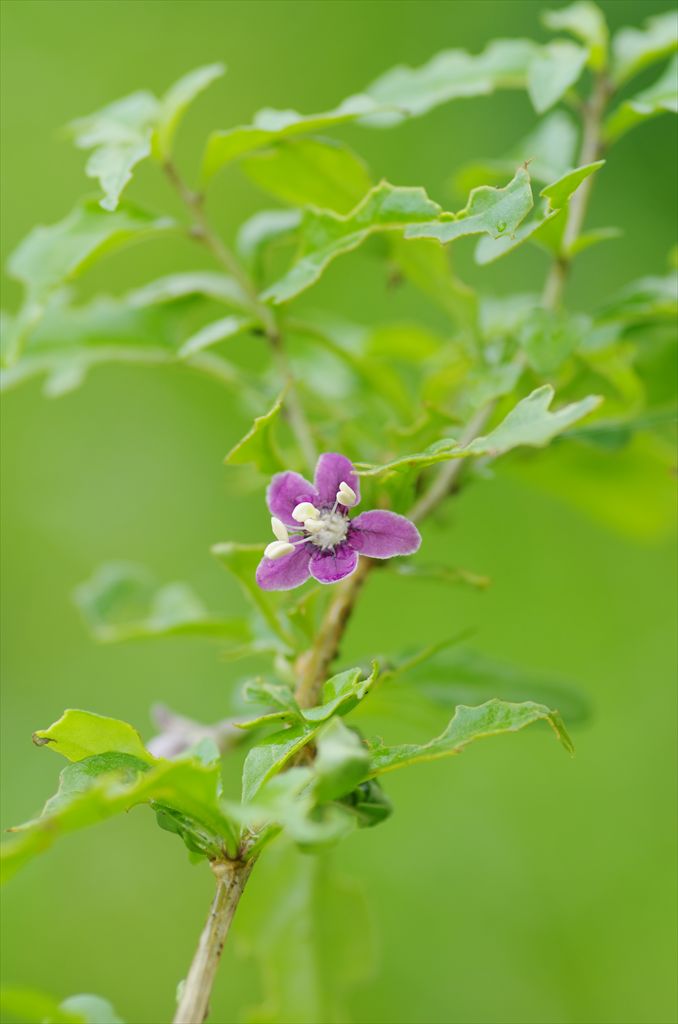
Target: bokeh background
[(513, 884)]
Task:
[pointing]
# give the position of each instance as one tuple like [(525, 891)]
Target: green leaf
[(92, 1009), (461, 675), (82, 734), (242, 560), (546, 227), (177, 287), (120, 137), (529, 423), (270, 756), (635, 49), (659, 98), (548, 339), (105, 779), (39, 1008), (311, 171), (262, 231), (122, 601), (342, 762), (532, 423), (560, 192), (270, 126), (450, 75), (469, 724), (259, 446), (326, 235), (174, 104), (553, 71), (50, 256), (426, 264), (586, 21), (493, 211), (312, 946), (215, 332)]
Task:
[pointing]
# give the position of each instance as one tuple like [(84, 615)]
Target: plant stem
[(205, 233), (314, 665), (194, 1002)]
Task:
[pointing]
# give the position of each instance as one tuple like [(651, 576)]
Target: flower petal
[(284, 573), (330, 566), (285, 491), (382, 534), (330, 470)]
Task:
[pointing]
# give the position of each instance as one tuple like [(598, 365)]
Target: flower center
[(329, 529)]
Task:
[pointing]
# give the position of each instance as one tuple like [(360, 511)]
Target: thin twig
[(203, 232)]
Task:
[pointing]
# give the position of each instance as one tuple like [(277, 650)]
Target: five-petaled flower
[(316, 537)]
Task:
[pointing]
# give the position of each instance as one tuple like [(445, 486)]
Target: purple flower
[(316, 537)]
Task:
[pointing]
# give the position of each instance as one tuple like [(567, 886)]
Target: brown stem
[(195, 996), (312, 667)]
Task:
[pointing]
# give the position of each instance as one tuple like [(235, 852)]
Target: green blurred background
[(535, 888)]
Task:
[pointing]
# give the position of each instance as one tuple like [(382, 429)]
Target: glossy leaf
[(493, 211), (553, 71), (122, 601), (119, 136), (327, 235), (659, 98), (560, 192), (635, 49), (310, 171), (271, 126), (259, 446), (529, 423), (174, 104), (469, 724), (50, 256), (586, 21), (450, 75)]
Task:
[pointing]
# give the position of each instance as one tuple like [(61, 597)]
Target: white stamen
[(313, 525), (304, 510), (280, 530), (346, 495), (277, 549)]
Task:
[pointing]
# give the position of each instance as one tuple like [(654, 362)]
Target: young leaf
[(341, 763), (659, 98), (82, 734), (174, 104), (120, 137), (450, 75), (529, 423), (264, 229), (213, 333), (270, 756), (310, 171), (271, 126), (259, 446), (327, 235), (586, 21), (635, 49), (176, 287), (553, 71), (493, 211), (49, 256), (560, 192), (469, 724), (122, 601)]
